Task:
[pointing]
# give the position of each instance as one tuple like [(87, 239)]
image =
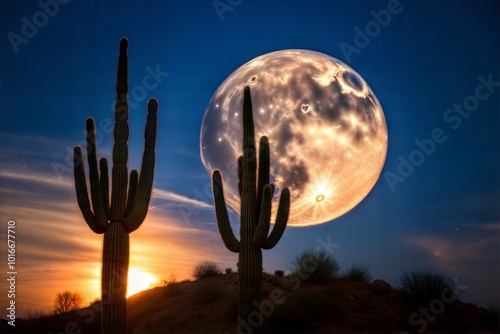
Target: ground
[(209, 305)]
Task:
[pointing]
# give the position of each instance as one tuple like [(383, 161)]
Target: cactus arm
[(82, 194), (145, 186), (256, 194), (95, 188), (221, 213), (121, 134), (104, 183), (132, 191), (262, 230), (281, 220)]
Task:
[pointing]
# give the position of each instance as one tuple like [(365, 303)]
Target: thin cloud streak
[(37, 178), (171, 196), (57, 250)]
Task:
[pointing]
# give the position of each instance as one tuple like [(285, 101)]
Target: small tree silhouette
[(67, 301)]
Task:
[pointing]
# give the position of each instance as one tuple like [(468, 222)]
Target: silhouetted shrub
[(279, 273), (315, 266), (67, 301), (358, 273), (166, 281), (425, 286), (206, 269), (229, 270)]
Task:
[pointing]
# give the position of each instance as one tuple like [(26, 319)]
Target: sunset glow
[(138, 281), (433, 208)]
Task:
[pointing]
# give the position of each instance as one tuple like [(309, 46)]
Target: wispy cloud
[(448, 251), (55, 245), (171, 196), (29, 176)]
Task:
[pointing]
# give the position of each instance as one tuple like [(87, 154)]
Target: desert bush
[(229, 270), (315, 266), (208, 292), (358, 273), (171, 279), (206, 269), (67, 301), (425, 286), (279, 273)]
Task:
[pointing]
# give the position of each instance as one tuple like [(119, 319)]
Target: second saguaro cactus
[(256, 199), (127, 210)]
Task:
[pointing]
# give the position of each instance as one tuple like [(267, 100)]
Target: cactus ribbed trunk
[(250, 257), (115, 259), (256, 199), (250, 280), (129, 198)]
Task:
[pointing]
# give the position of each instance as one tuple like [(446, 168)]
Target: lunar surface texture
[(327, 132)]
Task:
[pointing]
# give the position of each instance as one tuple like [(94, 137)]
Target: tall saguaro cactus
[(256, 198), (127, 211)]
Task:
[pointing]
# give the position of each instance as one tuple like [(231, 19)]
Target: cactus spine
[(256, 198), (126, 212)]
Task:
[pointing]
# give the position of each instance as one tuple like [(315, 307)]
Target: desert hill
[(209, 305)]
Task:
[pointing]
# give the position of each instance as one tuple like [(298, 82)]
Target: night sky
[(434, 67)]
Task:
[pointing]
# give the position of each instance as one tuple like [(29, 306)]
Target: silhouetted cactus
[(126, 212), (256, 199)]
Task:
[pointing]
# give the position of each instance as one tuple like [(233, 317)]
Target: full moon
[(327, 132)]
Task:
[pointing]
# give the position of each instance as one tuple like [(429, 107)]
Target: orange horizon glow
[(139, 280)]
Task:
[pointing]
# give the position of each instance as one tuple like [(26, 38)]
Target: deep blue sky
[(444, 217)]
